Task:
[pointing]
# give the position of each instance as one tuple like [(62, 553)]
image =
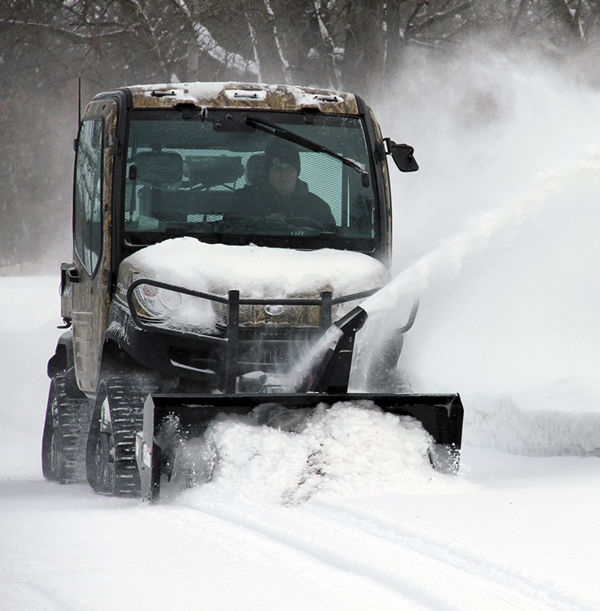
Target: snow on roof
[(252, 95)]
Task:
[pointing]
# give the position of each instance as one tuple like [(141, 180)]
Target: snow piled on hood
[(257, 271), (348, 450)]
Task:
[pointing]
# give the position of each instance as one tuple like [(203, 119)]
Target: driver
[(279, 194)]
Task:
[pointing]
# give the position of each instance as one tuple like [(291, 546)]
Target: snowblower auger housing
[(221, 231), (440, 415)]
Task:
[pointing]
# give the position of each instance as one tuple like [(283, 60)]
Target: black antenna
[(75, 142)]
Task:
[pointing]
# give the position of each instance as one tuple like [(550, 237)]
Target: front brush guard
[(229, 344)]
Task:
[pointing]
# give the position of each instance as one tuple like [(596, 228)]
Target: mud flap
[(441, 416)]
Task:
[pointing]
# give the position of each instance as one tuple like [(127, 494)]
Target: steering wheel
[(305, 221)]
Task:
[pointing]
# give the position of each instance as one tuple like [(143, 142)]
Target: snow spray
[(446, 261), (497, 233)]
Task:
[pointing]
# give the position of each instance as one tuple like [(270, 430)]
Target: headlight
[(173, 309), (156, 303)]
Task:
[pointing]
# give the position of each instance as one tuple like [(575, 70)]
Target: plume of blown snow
[(497, 234)]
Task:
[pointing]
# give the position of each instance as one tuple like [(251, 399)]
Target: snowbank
[(525, 423)]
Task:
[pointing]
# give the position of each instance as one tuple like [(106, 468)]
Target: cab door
[(92, 220)]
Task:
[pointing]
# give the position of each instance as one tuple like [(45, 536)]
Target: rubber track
[(74, 416), (126, 401)]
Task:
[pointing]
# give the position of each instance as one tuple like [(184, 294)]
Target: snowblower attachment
[(325, 382)]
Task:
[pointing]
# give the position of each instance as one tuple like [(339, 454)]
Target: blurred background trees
[(46, 46)]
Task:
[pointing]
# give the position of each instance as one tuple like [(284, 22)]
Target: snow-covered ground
[(500, 230)]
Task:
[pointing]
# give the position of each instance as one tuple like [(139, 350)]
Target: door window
[(88, 194)]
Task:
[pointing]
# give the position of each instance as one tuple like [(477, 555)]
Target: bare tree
[(47, 45), (578, 17)]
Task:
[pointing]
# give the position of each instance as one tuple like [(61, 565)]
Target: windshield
[(215, 174)]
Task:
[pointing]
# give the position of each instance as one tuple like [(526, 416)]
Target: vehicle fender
[(63, 358)]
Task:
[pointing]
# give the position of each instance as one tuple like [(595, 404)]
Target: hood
[(256, 271)]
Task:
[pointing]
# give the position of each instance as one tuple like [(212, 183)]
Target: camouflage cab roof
[(245, 95)]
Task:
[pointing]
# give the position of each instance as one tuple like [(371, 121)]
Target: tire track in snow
[(427, 574), (213, 530), (450, 553), (38, 591)]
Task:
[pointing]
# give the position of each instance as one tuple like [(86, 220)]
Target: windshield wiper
[(281, 132)]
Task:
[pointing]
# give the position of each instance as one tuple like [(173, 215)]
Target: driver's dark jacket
[(262, 200)]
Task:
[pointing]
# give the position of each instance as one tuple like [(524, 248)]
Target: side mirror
[(402, 154)]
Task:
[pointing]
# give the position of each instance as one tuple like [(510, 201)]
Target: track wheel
[(63, 441), (118, 415)]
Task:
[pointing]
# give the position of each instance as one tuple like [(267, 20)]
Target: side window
[(88, 194)]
